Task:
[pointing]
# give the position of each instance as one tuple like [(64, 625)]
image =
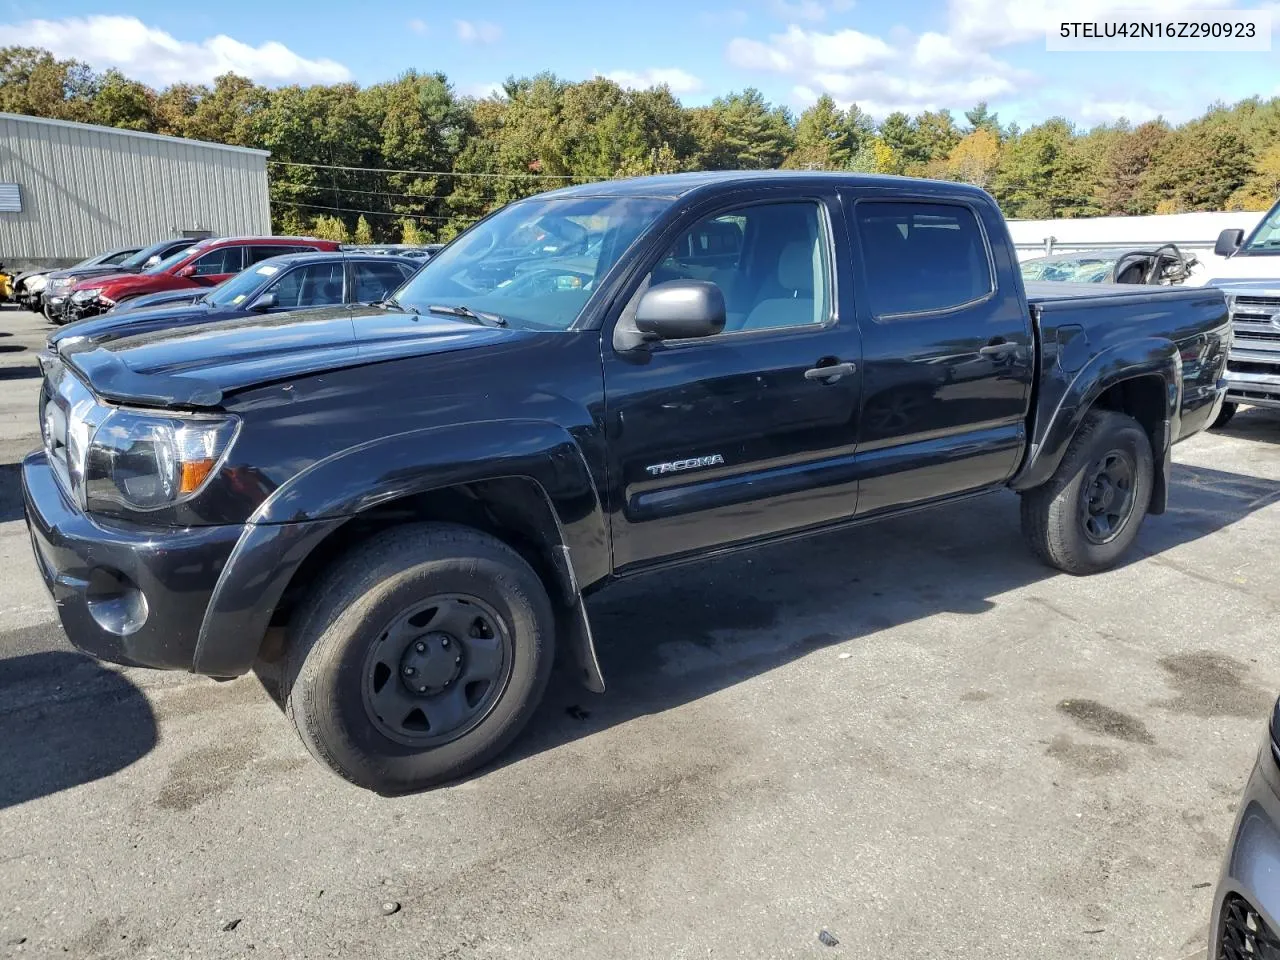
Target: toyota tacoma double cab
[(398, 509)]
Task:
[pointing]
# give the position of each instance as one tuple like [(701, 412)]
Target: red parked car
[(205, 264)]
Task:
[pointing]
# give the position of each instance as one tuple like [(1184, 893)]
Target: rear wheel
[(1224, 415), (418, 657), (1089, 512)]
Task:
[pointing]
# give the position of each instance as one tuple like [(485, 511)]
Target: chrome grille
[(1255, 323)]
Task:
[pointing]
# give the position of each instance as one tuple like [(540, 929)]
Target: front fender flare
[(303, 511), (1063, 403)]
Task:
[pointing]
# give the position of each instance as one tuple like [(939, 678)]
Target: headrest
[(795, 266)]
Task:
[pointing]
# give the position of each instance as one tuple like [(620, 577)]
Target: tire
[(347, 635), (1224, 415), (1060, 521)]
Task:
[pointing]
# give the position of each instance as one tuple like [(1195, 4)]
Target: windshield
[(534, 263), (237, 290), (1266, 238), (140, 258), (1084, 270), (169, 261)]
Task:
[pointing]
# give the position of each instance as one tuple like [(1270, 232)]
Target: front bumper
[(1254, 389), (127, 594), (1246, 906), (80, 309)]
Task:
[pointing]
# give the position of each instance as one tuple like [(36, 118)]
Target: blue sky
[(910, 55)]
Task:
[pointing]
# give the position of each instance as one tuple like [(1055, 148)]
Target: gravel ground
[(911, 736)]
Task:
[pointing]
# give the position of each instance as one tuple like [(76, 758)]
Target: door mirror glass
[(681, 310), (265, 302), (1228, 242)]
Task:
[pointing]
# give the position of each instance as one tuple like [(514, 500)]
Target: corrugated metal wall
[(85, 189)]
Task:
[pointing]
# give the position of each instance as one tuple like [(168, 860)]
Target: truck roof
[(673, 186)]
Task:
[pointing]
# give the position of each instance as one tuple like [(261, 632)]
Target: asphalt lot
[(910, 735)]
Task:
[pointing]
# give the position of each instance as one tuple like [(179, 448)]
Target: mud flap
[(574, 627), (1162, 443)]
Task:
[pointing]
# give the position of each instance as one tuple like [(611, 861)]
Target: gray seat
[(796, 269)]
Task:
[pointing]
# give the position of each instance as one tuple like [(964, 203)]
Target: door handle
[(1001, 349), (830, 373)]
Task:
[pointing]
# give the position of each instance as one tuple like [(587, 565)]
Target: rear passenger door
[(947, 352), (218, 265), (311, 285), (373, 281)]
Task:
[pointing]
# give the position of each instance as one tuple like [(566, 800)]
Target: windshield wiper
[(394, 304), (466, 313)]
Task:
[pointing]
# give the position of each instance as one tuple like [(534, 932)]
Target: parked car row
[(307, 280), (174, 271)]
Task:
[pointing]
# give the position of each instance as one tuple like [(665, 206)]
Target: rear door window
[(921, 257), (215, 263), (257, 254), (376, 281), (315, 285)]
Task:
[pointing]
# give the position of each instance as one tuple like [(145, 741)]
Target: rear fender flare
[(1061, 422), (299, 515)]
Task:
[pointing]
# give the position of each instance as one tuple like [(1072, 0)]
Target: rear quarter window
[(921, 257)]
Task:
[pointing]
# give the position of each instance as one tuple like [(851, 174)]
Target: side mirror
[(265, 302), (189, 271), (152, 260), (1228, 242), (681, 310)]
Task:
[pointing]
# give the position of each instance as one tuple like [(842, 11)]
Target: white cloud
[(418, 26), (926, 72), (1108, 111), (477, 31), (482, 91), (813, 10), (680, 81), (156, 57), (800, 50)]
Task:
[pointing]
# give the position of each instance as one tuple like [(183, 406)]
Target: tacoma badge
[(675, 466)]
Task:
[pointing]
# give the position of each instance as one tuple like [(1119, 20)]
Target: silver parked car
[(1246, 907)]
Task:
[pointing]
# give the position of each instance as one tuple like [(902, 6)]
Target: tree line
[(412, 160)]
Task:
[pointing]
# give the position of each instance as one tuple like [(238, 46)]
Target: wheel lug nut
[(408, 671), (457, 659), (420, 647), (444, 641), (422, 689)]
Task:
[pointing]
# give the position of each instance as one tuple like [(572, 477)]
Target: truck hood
[(197, 365), (112, 326)]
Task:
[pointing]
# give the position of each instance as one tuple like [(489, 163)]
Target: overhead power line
[(429, 173), (376, 213)]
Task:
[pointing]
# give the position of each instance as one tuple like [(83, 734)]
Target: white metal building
[(70, 190)]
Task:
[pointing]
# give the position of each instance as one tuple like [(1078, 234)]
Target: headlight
[(81, 296), (37, 283), (138, 461)]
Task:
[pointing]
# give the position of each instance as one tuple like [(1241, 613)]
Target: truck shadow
[(65, 720), (1255, 424), (675, 637)]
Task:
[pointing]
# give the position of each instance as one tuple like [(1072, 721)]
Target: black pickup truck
[(399, 508)]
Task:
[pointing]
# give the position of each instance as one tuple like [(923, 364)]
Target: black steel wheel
[(1106, 503), (418, 656), (1086, 515), (436, 670)]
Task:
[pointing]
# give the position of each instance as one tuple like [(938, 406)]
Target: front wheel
[(1088, 513), (1224, 415), (418, 657)]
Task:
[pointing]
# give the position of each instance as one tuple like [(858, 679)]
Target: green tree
[(822, 138), (1124, 161), (981, 118), (121, 102), (409, 232), (743, 131), (33, 82), (331, 228), (1197, 167), (364, 233), (1040, 176)]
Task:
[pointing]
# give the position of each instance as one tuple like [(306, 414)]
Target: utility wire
[(429, 173)]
